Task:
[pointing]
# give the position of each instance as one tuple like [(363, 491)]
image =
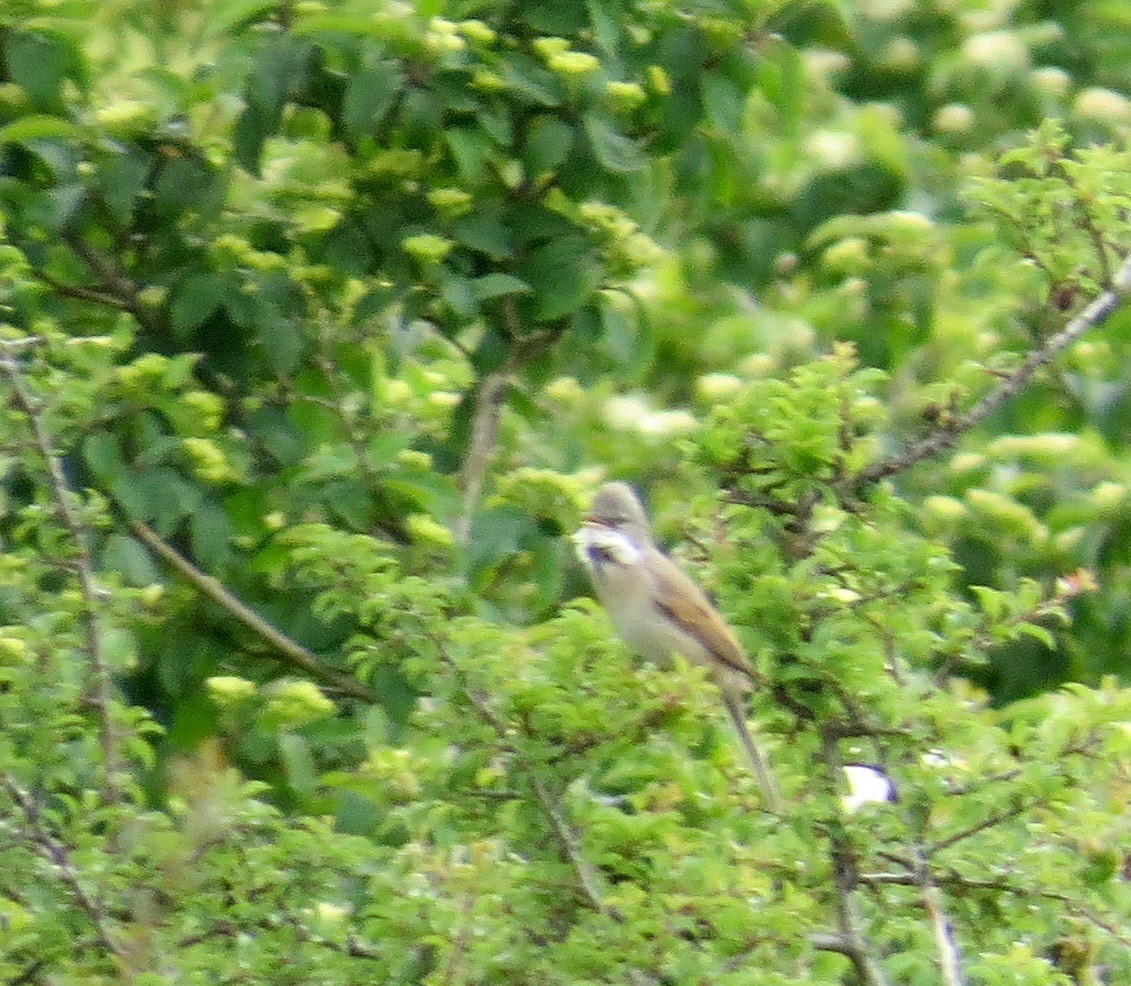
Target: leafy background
[(350, 306)]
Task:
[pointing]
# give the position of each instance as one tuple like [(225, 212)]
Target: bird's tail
[(759, 765)]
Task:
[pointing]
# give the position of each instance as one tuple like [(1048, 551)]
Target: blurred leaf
[(613, 149), (562, 275)]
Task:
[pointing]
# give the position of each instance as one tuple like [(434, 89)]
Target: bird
[(658, 610)]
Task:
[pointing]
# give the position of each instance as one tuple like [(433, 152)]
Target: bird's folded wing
[(689, 608)]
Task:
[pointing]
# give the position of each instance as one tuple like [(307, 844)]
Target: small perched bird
[(659, 611)]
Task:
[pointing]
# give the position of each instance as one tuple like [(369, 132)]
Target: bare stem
[(79, 534), (851, 938), (945, 436), (481, 445), (950, 959), (286, 650), (95, 296), (989, 822)]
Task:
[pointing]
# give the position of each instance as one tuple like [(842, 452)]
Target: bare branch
[(943, 438), (954, 879), (76, 528), (226, 929), (523, 347), (286, 650), (102, 265), (587, 877), (96, 296)]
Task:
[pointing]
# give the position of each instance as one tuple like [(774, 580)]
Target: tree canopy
[(321, 323)]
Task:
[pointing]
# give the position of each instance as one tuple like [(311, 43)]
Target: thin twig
[(102, 265), (942, 439), (989, 822), (954, 879), (226, 929), (76, 528), (56, 855), (587, 877), (288, 651)]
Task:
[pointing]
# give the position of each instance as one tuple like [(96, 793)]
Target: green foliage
[(322, 321)]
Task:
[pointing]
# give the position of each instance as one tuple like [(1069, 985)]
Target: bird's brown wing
[(678, 597)]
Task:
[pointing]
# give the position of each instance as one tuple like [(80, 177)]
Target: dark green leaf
[(195, 300), (369, 96), (612, 148), (562, 275), (547, 143)]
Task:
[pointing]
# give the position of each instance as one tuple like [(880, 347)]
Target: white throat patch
[(594, 540)]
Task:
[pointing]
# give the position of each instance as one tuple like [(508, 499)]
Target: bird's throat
[(599, 546)]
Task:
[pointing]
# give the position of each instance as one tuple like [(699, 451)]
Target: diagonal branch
[(989, 822), (942, 439), (56, 855), (286, 650), (586, 873), (951, 878), (76, 528), (93, 295)]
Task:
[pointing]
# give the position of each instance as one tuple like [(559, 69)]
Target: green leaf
[(496, 284), (103, 455), (232, 15), (562, 275), (621, 330), (298, 763), (369, 96), (1037, 632), (40, 62), (211, 536), (129, 559), (724, 102), (39, 126), (195, 301), (486, 234), (471, 148), (530, 79), (612, 148), (119, 649), (547, 144), (283, 340), (607, 18)]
